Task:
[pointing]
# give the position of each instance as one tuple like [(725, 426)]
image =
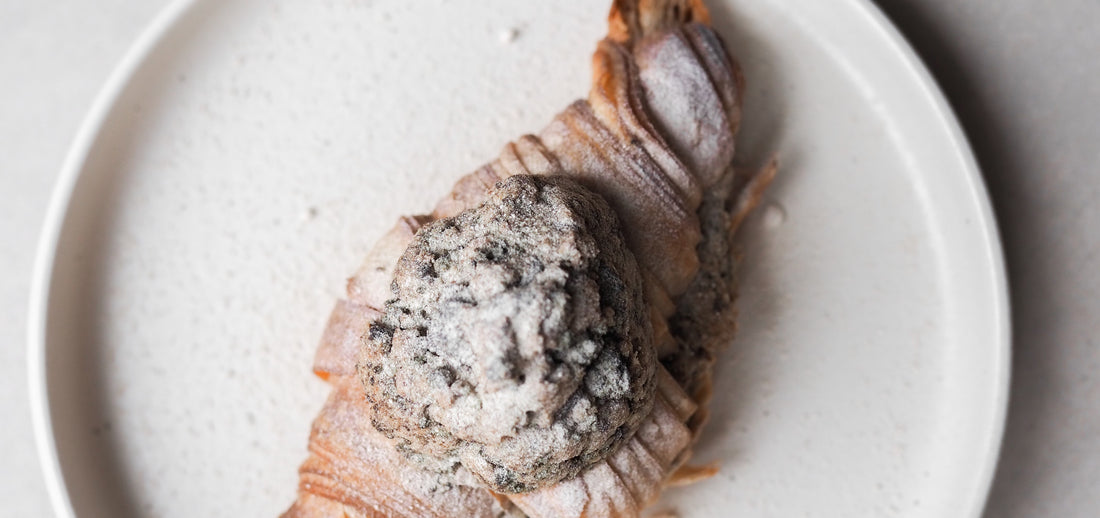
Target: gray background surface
[(1023, 76)]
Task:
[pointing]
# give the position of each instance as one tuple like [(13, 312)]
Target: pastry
[(541, 344)]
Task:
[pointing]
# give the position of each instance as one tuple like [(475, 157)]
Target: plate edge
[(46, 251), (991, 245)]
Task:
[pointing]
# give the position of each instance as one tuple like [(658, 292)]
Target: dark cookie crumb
[(705, 321)]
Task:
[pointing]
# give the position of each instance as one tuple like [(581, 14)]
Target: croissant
[(655, 141)]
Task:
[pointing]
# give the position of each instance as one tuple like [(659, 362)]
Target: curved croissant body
[(655, 139)]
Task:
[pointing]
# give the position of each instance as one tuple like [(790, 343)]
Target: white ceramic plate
[(247, 153)]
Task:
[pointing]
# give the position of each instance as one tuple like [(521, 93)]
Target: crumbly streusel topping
[(518, 341)]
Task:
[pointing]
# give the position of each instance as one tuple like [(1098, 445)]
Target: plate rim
[(991, 245), (46, 253), (153, 34)]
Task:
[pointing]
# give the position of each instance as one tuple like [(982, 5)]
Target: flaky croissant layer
[(654, 138)]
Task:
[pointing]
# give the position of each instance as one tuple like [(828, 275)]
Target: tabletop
[(1022, 76)]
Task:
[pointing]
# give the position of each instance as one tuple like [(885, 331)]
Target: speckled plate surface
[(246, 154)]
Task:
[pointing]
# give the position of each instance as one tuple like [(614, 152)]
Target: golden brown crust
[(343, 335), (631, 20)]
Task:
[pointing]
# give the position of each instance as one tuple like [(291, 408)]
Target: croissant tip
[(632, 20)]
